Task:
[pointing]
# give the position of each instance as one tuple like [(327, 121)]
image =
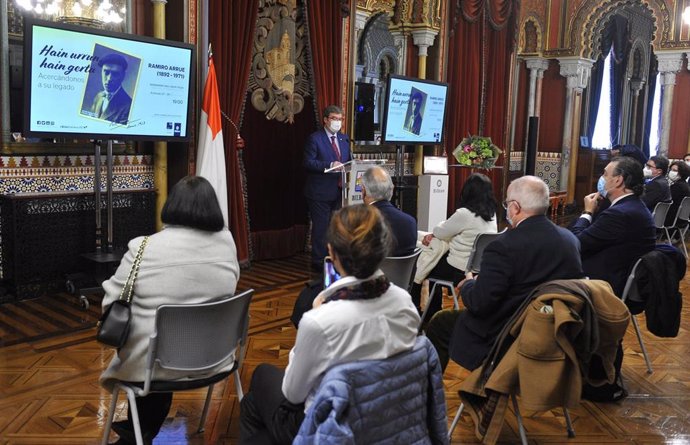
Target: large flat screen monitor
[(415, 111), (88, 83)]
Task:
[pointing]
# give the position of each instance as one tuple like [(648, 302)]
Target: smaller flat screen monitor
[(415, 111), (94, 84)]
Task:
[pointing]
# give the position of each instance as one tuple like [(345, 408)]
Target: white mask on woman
[(673, 175)]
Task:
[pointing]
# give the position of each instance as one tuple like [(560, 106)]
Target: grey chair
[(399, 269), (480, 242), (682, 216), (629, 289), (659, 215), (190, 339)]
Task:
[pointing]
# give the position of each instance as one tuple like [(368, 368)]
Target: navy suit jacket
[(614, 240), (655, 191), (318, 155), (516, 262), (403, 226)]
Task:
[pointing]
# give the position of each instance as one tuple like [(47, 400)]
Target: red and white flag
[(210, 161)]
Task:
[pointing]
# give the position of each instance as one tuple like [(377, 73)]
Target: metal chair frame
[(175, 348), (518, 416), (480, 242), (626, 293)]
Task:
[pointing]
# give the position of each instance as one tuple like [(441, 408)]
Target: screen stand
[(399, 175), (97, 195)]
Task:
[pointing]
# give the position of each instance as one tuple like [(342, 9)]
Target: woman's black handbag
[(113, 326)]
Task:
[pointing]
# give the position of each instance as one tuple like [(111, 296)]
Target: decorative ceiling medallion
[(277, 81)]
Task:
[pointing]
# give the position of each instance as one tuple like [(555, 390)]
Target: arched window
[(602, 128)]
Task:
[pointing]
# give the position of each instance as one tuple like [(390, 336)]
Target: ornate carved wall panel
[(278, 79)]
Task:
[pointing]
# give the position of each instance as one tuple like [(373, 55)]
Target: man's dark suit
[(118, 107), (403, 226), (615, 239), (655, 191), (534, 252), (321, 189)]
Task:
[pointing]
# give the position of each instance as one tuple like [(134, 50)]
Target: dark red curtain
[(325, 46), (231, 27), (480, 49)]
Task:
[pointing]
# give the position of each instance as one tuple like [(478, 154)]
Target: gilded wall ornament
[(277, 81)]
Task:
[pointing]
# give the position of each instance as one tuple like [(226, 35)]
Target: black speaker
[(531, 151), (364, 112)]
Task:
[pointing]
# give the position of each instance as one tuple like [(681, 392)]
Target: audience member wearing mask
[(656, 188), (678, 177), (532, 252), (613, 240), (687, 162)]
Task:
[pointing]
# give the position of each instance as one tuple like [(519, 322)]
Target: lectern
[(351, 173)]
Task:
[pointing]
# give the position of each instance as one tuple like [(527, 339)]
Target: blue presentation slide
[(87, 83), (415, 111)]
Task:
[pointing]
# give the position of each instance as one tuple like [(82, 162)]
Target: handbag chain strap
[(128, 289)]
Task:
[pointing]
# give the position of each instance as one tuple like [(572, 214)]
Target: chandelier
[(95, 13)]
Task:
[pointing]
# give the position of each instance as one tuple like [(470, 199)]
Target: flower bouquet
[(477, 151)]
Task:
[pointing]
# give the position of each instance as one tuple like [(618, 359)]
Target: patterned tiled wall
[(548, 167), (37, 174)]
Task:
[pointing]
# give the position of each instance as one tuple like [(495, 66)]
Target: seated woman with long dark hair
[(475, 215), (192, 260), (361, 316)]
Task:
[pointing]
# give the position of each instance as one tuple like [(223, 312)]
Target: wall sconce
[(686, 15)]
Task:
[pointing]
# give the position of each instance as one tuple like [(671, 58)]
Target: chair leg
[(204, 412), (455, 298), (111, 415), (639, 339), (132, 400), (455, 421), (668, 236), (426, 308), (521, 426), (238, 385), (568, 423)]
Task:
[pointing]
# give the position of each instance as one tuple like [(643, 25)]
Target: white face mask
[(335, 125), (673, 175), (687, 163), (647, 172)]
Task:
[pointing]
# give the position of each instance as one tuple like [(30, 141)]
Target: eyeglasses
[(335, 119), (507, 203)]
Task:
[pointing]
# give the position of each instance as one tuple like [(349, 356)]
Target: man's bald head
[(531, 193), (377, 184)]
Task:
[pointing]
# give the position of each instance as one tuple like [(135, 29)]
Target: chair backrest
[(480, 242), (195, 337), (659, 214), (683, 211), (399, 269), (630, 282)]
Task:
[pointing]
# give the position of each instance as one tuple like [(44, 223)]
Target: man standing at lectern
[(325, 148)]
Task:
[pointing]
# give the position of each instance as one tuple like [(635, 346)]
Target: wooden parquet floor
[(50, 363)]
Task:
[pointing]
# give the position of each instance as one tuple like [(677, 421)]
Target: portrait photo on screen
[(110, 89), (415, 111)]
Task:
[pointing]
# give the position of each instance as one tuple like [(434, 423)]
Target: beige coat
[(541, 364), (179, 265)]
